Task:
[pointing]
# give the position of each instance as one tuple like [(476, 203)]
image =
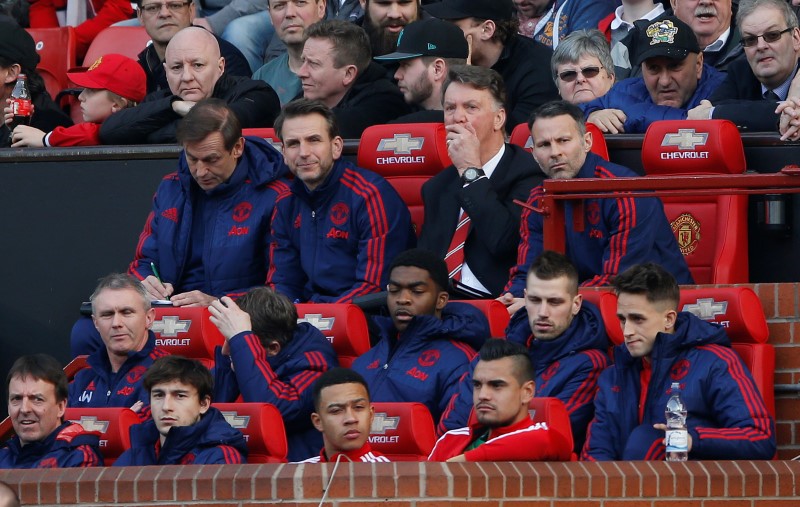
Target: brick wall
[(617, 484)]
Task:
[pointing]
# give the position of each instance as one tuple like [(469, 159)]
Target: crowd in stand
[(248, 231)]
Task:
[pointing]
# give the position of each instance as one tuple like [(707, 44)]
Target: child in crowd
[(113, 82)]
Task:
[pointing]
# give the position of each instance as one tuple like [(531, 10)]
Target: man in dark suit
[(754, 86), (470, 216)]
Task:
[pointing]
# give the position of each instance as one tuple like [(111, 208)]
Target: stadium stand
[(343, 324), (711, 229), (113, 424), (124, 40), (56, 48), (262, 426), (402, 431)]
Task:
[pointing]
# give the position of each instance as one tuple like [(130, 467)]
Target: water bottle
[(677, 435), (21, 103)]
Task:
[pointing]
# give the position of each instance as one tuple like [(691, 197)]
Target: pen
[(155, 272)]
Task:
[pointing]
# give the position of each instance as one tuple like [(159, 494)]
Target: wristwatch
[(471, 174)]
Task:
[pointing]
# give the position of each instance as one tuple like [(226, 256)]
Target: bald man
[(195, 71)]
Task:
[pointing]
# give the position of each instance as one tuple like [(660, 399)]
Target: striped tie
[(455, 253)]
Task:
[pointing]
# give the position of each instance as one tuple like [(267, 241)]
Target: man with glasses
[(674, 79), (754, 86), (162, 19)]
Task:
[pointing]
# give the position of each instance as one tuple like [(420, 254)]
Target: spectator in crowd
[(617, 26), (334, 235), (727, 418), (185, 428), (207, 234), (491, 29), (18, 56), (471, 219), (338, 71), (384, 20), (674, 79), (754, 85), (290, 19), (37, 399), (564, 17), (582, 66), (529, 12), (565, 338), (425, 52), (113, 82), (8, 497), (423, 350), (502, 388), (343, 415), (97, 15), (195, 71), (122, 314), (712, 24), (619, 233), (269, 357), (348, 10), (162, 20)]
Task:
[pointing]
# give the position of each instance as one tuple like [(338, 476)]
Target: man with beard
[(385, 19), (502, 388)]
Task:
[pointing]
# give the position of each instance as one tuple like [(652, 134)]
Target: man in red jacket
[(503, 387)]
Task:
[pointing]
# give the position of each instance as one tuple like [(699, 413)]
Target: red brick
[(106, 490), (461, 478), (283, 481), (596, 478), (633, 480), (563, 480), (616, 480), (87, 485), (784, 377), (787, 357), (408, 484), (244, 480), (165, 483), (386, 482), (439, 482), (527, 503), (786, 477), (766, 293), (48, 489), (775, 503), (125, 485), (650, 480), (788, 409), (787, 300), (223, 482), (628, 503), (780, 333), (665, 475), (312, 482), (752, 481), (734, 480), (788, 453), (363, 478), (496, 484), (727, 503)]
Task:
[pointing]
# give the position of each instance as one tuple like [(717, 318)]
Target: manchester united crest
[(687, 231)]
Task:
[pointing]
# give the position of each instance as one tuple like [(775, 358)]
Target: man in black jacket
[(338, 71), (195, 71), (491, 27), (471, 220)]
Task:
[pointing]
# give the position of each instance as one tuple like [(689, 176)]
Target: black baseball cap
[(496, 10), (667, 36), (429, 37)]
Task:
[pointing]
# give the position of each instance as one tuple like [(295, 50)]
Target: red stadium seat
[(711, 230), (739, 310), (407, 155), (113, 424), (74, 366), (402, 431), (124, 40), (495, 312), (606, 301), (56, 48), (186, 331), (267, 134), (262, 427), (343, 324), (521, 136)]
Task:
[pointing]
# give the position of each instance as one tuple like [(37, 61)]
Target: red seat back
[(262, 427), (113, 424), (410, 190), (186, 331), (267, 134), (521, 136), (343, 324), (404, 149), (56, 49), (606, 301), (711, 230), (496, 313), (553, 412), (402, 431), (125, 40)]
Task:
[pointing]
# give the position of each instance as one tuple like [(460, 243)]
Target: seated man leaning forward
[(185, 428), (269, 357), (341, 226), (343, 414), (674, 79), (37, 399), (619, 233), (727, 418), (207, 234), (195, 71), (502, 388)]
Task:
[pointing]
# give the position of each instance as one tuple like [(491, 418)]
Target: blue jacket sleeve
[(603, 436), (451, 387), (219, 455), (285, 273), (579, 392), (530, 244), (456, 414), (226, 388)]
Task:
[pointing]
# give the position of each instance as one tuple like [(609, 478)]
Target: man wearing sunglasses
[(674, 79), (754, 86)]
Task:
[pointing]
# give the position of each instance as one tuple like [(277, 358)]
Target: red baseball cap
[(113, 72)]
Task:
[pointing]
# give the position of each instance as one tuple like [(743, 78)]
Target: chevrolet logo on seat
[(170, 325), (90, 423), (318, 321), (401, 144), (685, 139), (706, 308), (239, 422), (383, 422)]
